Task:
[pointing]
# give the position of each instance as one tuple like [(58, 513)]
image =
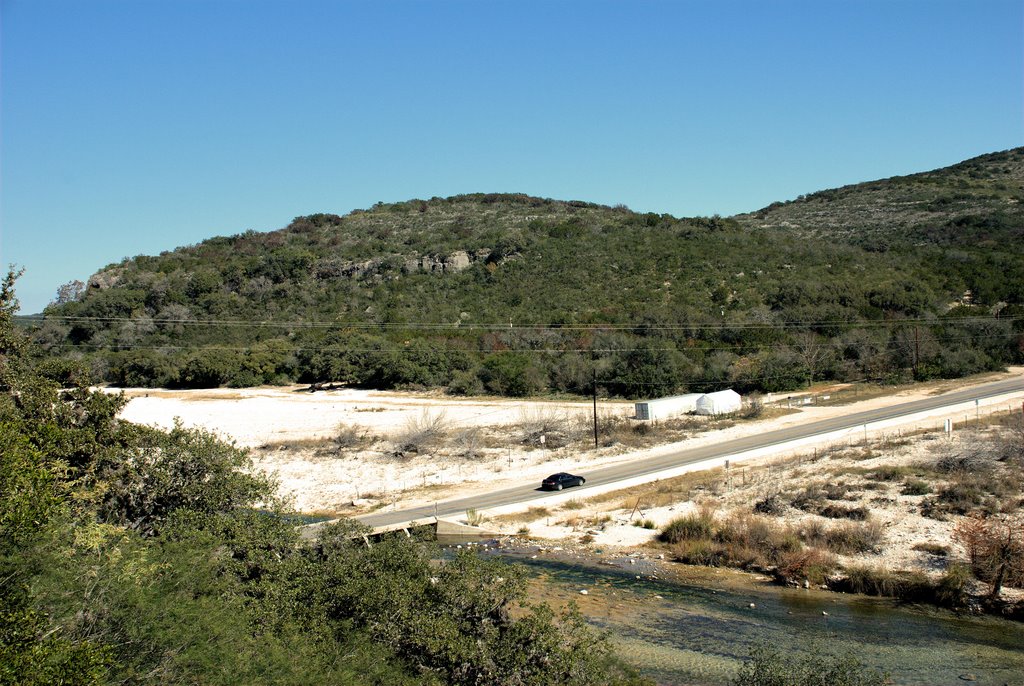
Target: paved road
[(608, 475)]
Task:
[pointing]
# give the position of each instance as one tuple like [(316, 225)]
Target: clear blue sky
[(135, 126)]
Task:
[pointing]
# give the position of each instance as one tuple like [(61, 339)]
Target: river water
[(693, 625)]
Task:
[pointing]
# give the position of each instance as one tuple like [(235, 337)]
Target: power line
[(462, 326)]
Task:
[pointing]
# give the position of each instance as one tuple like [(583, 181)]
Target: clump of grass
[(701, 552), (534, 513), (809, 499), (834, 511), (523, 531), (890, 473), (644, 523), (955, 498), (691, 527), (475, 517), (742, 540), (852, 537), (574, 504), (916, 487), (932, 549), (836, 491), (770, 505), (913, 586), (813, 564), (846, 538), (949, 590)]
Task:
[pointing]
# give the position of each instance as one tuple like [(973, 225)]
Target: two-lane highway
[(726, 449)]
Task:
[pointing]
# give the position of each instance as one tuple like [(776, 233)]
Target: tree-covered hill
[(976, 203), (512, 294)]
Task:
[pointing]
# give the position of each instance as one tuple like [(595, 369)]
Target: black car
[(557, 482)]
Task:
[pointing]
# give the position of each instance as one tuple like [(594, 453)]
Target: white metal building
[(662, 408), (720, 402)]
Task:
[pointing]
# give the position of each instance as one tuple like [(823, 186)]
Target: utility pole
[(595, 406)]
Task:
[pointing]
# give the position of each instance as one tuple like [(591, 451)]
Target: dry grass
[(421, 434)]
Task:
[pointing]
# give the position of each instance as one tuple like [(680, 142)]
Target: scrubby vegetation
[(516, 295), (134, 556), (973, 479), (769, 666)]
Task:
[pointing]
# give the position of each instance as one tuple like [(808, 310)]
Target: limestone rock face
[(457, 261), (337, 268), (105, 279)]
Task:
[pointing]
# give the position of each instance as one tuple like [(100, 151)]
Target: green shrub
[(952, 588), (702, 552), (916, 487), (692, 527), (768, 666)]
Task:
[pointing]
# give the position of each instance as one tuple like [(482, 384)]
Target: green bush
[(769, 666), (916, 487), (688, 528)]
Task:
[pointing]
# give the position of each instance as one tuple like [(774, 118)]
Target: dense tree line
[(134, 556)]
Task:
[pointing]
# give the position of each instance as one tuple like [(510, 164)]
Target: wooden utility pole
[(595, 407)]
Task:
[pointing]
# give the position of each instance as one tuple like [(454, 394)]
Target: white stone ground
[(289, 431)]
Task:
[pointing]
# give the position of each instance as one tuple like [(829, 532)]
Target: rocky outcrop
[(105, 279), (335, 268)]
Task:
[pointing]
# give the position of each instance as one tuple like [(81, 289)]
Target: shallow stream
[(687, 625)]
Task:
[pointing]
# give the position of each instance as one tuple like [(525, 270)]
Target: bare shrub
[(995, 547), (836, 491), (348, 436), (809, 499), (1009, 446), (469, 442), (547, 429), (965, 457), (753, 408), (421, 433), (771, 505)]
